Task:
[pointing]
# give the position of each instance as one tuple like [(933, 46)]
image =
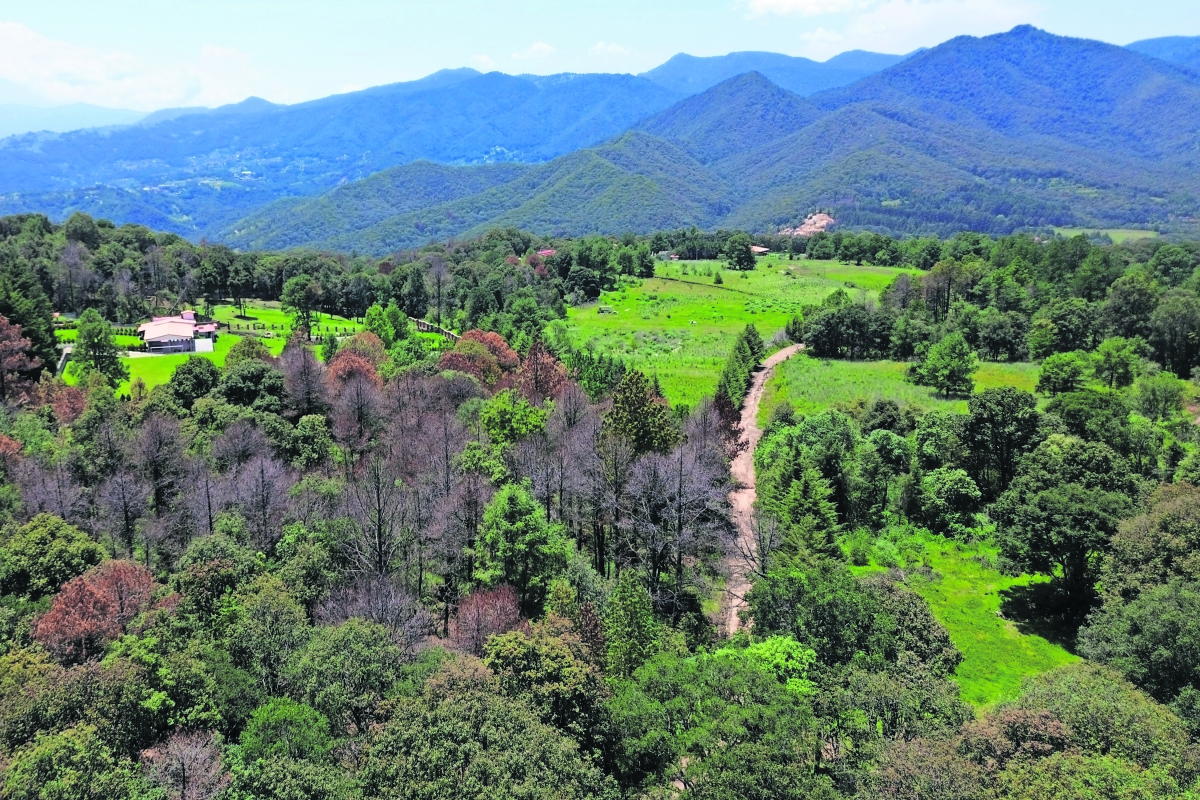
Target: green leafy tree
[(397, 321), (376, 322), (1117, 361), (1062, 372), (738, 253), (72, 764), (193, 379), (329, 347), (949, 499), (460, 740), (43, 554), (248, 348), (96, 348), (640, 416), (266, 630), (301, 295), (284, 728), (413, 295), (1159, 397), (518, 547), (312, 441), (629, 626), (948, 366), (345, 671), (508, 418)]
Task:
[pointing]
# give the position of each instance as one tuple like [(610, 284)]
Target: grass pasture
[(681, 326), (967, 596), (268, 313), (1118, 235), (812, 385)]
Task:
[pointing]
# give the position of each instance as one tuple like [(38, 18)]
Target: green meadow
[(270, 313), (812, 384), (966, 593), (1118, 235), (680, 325)]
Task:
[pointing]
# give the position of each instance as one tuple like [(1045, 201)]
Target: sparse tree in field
[(738, 252), (1117, 361), (948, 366), (1062, 372), (300, 296)]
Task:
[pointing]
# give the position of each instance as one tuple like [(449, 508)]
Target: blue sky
[(149, 54)]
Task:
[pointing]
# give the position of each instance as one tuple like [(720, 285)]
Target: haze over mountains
[(1022, 129)]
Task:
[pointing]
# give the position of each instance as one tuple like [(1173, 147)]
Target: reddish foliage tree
[(471, 358), (68, 403), (16, 363), (485, 614), (347, 364), (10, 455), (367, 345), (506, 358), (541, 375), (93, 609)]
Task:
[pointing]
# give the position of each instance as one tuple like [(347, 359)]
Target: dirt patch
[(814, 223)]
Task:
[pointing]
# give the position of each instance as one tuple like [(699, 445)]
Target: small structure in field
[(177, 334)]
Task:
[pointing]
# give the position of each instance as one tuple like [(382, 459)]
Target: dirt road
[(742, 499)]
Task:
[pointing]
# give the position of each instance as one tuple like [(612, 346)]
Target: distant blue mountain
[(687, 74), (16, 119), (1182, 50)]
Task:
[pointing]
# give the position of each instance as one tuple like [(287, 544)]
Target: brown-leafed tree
[(484, 614), (16, 361), (187, 766), (93, 609)]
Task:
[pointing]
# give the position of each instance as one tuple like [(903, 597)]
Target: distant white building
[(176, 334)]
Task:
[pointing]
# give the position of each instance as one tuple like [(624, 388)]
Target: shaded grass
[(681, 326), (965, 592), (812, 385)]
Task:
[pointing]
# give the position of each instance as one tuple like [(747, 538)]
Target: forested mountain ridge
[(1182, 50), (204, 169), (689, 74), (943, 142)]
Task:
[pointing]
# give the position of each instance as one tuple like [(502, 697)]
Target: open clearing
[(681, 327), (270, 313), (966, 594), (1118, 235), (812, 384)]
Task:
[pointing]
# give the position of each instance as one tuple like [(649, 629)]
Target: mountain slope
[(688, 74), (254, 152), (958, 137), (1181, 50), (735, 116), (1028, 84)]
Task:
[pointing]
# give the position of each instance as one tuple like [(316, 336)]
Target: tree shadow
[(1042, 609)]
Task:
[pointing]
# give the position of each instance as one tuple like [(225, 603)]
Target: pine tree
[(96, 347), (641, 418), (629, 626), (755, 342)]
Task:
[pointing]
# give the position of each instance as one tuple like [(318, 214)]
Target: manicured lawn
[(156, 370), (811, 384), (680, 326), (69, 335), (269, 313), (966, 594)]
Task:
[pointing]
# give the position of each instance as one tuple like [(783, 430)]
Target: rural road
[(742, 498)]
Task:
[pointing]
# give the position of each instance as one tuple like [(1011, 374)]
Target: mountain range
[(1018, 130), (1022, 129)]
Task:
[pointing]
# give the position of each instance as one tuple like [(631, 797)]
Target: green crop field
[(1118, 235), (966, 592), (680, 326), (812, 384)]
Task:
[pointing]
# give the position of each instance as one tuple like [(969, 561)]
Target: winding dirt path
[(743, 497)]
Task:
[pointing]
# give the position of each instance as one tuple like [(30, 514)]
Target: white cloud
[(483, 62), (534, 51), (608, 49), (61, 72), (821, 35), (803, 8)]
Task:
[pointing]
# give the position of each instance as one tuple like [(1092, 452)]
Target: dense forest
[(368, 569)]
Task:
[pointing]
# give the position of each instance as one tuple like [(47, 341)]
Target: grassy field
[(155, 370), (69, 335), (1118, 235), (681, 326), (811, 384), (966, 594), (269, 313)]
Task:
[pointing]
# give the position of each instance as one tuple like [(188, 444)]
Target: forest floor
[(680, 326), (742, 498)]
